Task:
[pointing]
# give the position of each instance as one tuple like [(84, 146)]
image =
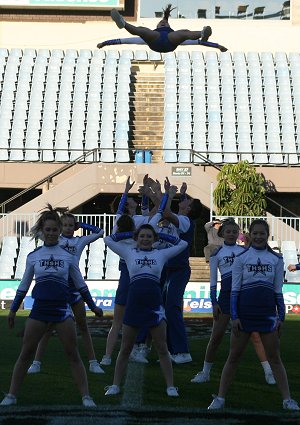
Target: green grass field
[(52, 398)]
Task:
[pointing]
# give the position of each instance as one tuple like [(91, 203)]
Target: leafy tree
[(240, 191)]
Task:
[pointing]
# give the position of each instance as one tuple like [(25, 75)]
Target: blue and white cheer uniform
[(51, 266), (144, 304), (222, 260), (256, 296)]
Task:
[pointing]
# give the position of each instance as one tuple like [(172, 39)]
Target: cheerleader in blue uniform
[(126, 220), (74, 245), (177, 270), (223, 260), (257, 305), (144, 306), (51, 265), (163, 39)]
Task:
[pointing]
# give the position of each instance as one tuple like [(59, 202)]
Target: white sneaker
[(87, 401), (206, 33), (172, 392), (136, 356), (112, 390), (269, 377), (217, 403), (106, 360), (181, 358), (200, 378), (118, 18), (8, 400), (95, 367), (144, 349), (35, 367), (288, 404)]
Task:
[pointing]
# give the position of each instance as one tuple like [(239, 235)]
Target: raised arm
[(114, 242), (178, 245), (168, 213)]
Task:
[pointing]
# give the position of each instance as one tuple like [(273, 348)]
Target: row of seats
[(96, 262), (57, 106), (138, 55), (230, 107)]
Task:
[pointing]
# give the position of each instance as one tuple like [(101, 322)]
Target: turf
[(52, 398)]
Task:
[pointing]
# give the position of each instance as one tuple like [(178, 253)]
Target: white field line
[(133, 387)]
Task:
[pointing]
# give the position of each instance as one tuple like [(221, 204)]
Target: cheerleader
[(163, 39), (51, 265), (127, 220), (178, 272), (144, 306), (223, 260), (74, 245), (256, 305)]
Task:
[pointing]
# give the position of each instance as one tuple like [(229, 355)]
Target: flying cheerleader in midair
[(163, 39)]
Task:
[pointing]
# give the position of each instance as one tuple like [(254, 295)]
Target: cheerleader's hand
[(216, 311), (98, 312), (11, 319), (292, 267), (183, 188), (172, 191), (236, 327), (128, 185), (100, 45)]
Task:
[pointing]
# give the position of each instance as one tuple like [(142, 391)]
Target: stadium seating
[(56, 105)]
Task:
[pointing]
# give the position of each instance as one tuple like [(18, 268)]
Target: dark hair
[(259, 221), (72, 217), (125, 223), (68, 215), (116, 201), (196, 209), (167, 11), (228, 222), (148, 227), (49, 213)]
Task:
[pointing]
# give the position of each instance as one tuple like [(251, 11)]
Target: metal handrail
[(46, 179), (193, 153)]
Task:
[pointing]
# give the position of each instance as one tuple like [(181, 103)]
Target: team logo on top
[(145, 262), (51, 263), (229, 259), (71, 249), (259, 268)]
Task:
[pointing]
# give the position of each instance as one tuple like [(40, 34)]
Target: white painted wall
[(237, 35)]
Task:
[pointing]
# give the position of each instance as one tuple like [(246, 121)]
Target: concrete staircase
[(199, 270), (147, 108)]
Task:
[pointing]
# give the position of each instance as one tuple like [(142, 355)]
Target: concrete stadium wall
[(237, 35)]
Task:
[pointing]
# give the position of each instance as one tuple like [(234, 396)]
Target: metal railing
[(281, 228), (20, 224)]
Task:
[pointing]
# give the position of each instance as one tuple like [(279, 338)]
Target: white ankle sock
[(207, 367), (266, 366)]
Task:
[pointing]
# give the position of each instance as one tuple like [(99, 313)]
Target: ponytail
[(167, 11)]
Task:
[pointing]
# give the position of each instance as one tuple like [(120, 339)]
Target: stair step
[(147, 109), (199, 269), (151, 115)]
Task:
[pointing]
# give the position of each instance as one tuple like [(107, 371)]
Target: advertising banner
[(196, 296)]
